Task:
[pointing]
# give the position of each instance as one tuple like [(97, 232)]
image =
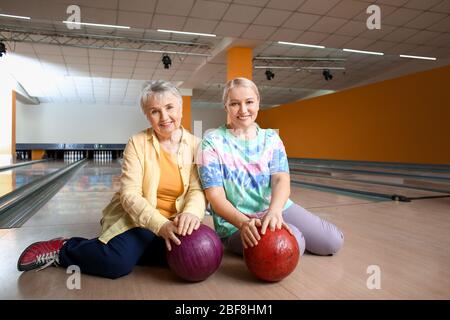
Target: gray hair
[(239, 82), (158, 88)]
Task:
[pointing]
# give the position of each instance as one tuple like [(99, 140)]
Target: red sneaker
[(40, 255)]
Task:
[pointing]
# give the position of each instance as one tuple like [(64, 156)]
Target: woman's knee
[(331, 244), (299, 237), (116, 267)]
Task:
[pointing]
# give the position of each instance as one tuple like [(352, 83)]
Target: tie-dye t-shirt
[(243, 168)]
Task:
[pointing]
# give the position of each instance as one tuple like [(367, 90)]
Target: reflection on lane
[(95, 177), (20, 176)]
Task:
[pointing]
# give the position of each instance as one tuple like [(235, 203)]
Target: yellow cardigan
[(135, 204)]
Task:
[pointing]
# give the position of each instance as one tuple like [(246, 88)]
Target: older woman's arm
[(131, 194), (195, 202), (194, 207)]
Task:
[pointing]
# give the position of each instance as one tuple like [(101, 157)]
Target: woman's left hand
[(186, 223), (273, 219)]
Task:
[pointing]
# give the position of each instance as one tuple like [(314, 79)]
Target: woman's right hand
[(249, 232), (168, 232)]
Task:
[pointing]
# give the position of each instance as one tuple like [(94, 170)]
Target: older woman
[(245, 175), (160, 198)]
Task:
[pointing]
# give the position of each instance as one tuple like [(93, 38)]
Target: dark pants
[(116, 258)]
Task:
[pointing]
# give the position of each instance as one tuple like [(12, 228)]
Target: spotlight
[(269, 75), (2, 49), (327, 74), (166, 61)]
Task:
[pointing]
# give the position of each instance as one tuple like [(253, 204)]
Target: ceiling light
[(366, 52), (166, 61), (2, 49), (417, 57), (273, 67), (188, 33), (269, 74), (321, 68), (96, 25), (15, 17), (301, 45), (327, 74)]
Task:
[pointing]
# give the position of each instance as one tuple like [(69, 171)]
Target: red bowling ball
[(275, 257)]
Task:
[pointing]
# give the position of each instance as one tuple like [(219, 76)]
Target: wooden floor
[(409, 242)]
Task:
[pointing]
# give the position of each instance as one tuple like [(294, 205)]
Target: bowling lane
[(13, 162), (20, 176), (363, 186), (417, 183), (386, 170), (9, 162), (82, 198), (310, 198), (432, 180), (75, 210), (95, 177)]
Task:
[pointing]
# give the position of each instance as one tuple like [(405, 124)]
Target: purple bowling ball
[(198, 256)]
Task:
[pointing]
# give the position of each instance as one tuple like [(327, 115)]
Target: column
[(240, 63)]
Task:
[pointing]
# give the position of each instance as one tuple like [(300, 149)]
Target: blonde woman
[(245, 174)]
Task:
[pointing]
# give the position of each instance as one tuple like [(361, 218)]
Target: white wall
[(211, 118), (77, 123), (7, 84), (80, 123)]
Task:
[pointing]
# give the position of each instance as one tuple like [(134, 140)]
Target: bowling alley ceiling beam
[(109, 42), (298, 62), (210, 66), (23, 96)]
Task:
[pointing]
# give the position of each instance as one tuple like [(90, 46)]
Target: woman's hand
[(186, 223), (249, 232), (273, 219), (167, 232)]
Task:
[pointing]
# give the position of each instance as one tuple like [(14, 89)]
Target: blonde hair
[(239, 82), (159, 87)]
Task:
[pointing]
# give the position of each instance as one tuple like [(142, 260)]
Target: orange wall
[(239, 63), (186, 120), (406, 120)]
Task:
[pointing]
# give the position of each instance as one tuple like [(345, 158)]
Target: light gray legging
[(313, 233)]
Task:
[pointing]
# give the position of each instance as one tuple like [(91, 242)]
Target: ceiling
[(79, 72)]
